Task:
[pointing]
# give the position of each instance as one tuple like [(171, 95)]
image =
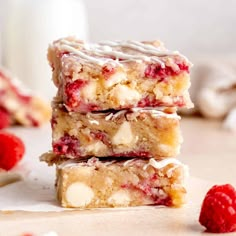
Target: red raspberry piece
[(107, 71), (66, 145), (88, 107), (155, 71), (149, 102), (73, 92), (11, 151), (133, 154), (152, 102), (183, 67), (100, 136), (218, 212), (5, 119)]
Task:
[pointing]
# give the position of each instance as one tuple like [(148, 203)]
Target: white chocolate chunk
[(79, 194), (109, 181), (123, 94), (115, 79), (89, 91), (96, 147), (120, 197), (124, 135), (158, 92), (167, 99)]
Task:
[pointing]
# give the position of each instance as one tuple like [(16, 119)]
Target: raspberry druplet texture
[(12, 150), (218, 212)]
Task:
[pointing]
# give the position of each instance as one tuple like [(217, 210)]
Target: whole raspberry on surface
[(218, 212), (4, 119), (12, 150)]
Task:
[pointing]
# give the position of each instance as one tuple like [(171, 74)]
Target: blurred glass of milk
[(30, 25)]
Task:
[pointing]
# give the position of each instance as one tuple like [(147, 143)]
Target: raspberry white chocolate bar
[(134, 132), (118, 75), (20, 105), (94, 183)]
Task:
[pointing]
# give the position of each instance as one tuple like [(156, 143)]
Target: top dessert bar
[(118, 75)]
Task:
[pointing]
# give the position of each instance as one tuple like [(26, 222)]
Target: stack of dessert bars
[(115, 131)]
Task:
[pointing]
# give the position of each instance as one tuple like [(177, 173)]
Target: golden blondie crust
[(134, 132), (118, 75), (94, 183)]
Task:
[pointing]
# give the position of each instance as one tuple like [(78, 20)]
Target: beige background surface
[(208, 150)]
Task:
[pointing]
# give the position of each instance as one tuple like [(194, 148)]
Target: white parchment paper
[(36, 191)]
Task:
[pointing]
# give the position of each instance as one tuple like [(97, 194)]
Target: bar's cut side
[(118, 75), (19, 104), (94, 183), (136, 132)]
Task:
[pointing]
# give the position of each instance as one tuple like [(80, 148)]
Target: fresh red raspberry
[(107, 71), (218, 213), (5, 119), (11, 151)]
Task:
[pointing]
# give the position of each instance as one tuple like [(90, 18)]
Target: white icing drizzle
[(170, 171), (72, 163), (68, 163), (141, 47), (129, 161), (152, 162), (161, 164), (93, 122), (83, 55), (109, 116), (96, 53), (109, 162), (156, 112), (117, 114)]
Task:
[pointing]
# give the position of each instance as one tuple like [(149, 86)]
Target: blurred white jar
[(30, 25)]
